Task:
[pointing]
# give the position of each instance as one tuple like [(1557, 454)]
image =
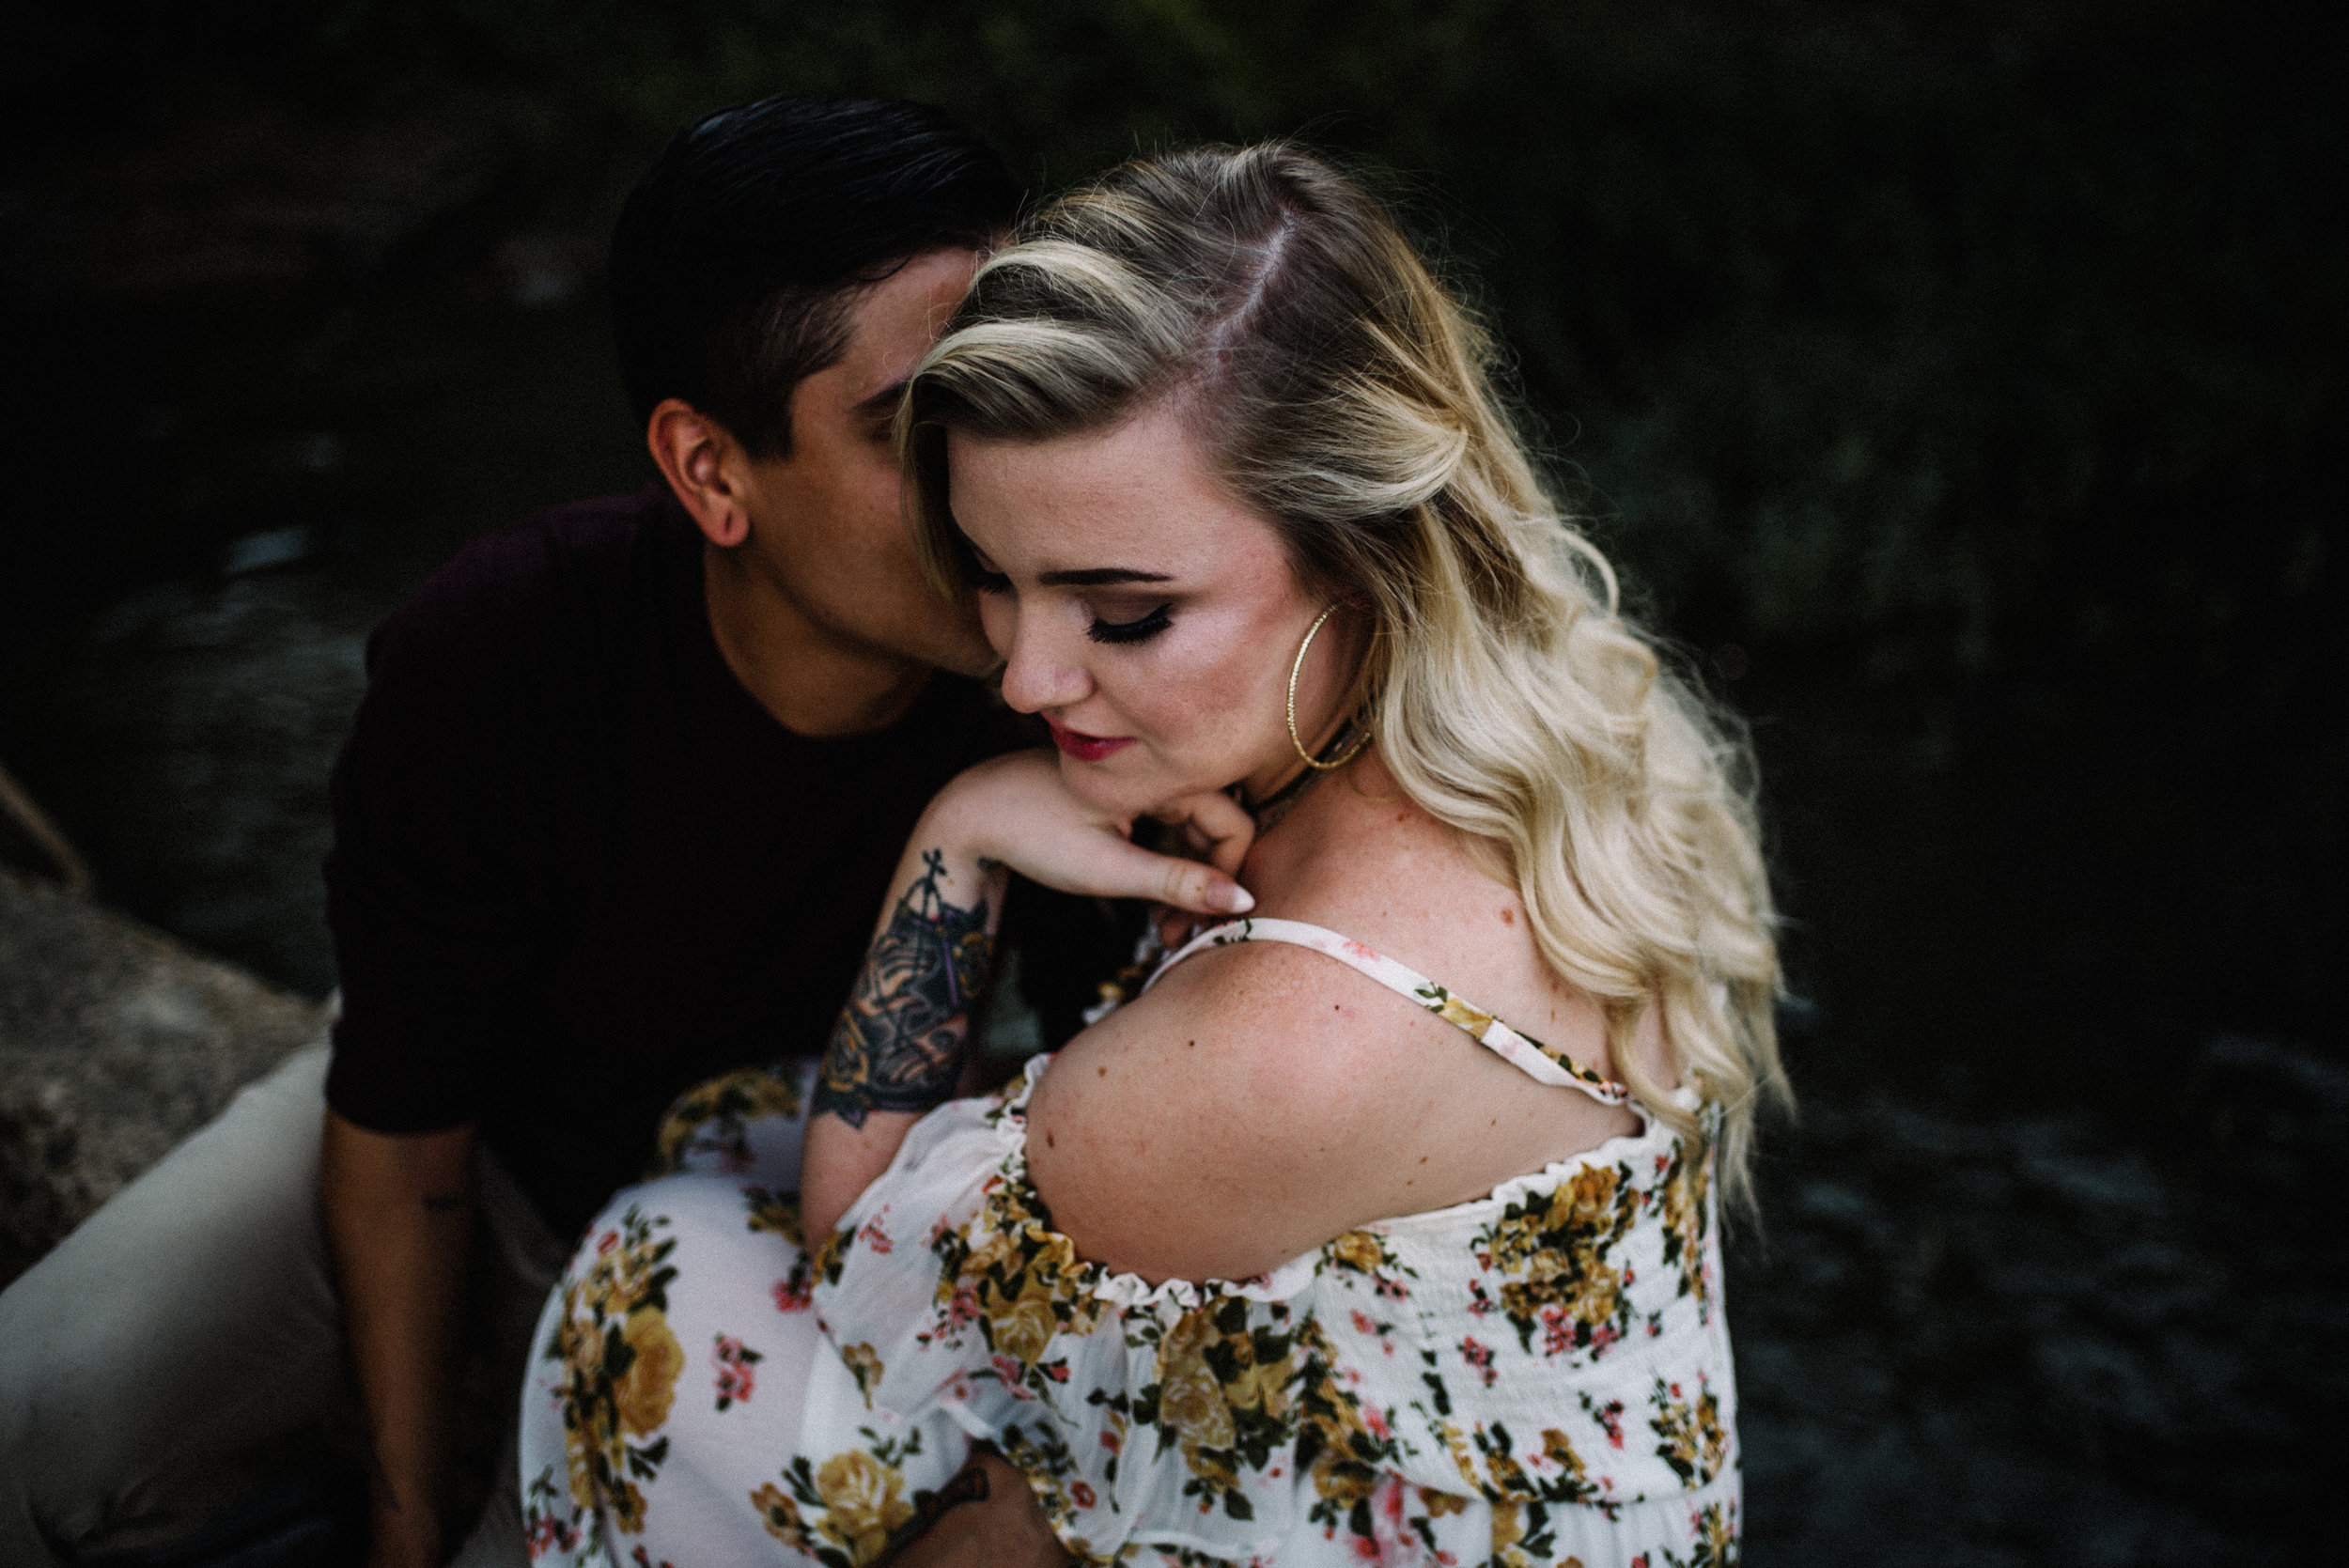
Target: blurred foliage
[(1962, 382), (1957, 336)]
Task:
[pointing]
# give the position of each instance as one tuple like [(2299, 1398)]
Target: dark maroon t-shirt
[(577, 868)]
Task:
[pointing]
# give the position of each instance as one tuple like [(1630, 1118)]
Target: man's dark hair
[(737, 256)]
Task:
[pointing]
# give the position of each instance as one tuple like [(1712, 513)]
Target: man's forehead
[(885, 398), (893, 323)]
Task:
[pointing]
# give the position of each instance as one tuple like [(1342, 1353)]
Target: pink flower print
[(874, 1236), (1376, 1419), (611, 1239), (736, 1379), (550, 1535), (1610, 1417), (1081, 1495), (1012, 1374), (1480, 1356), (964, 1307), (1386, 1541), (1558, 1333), (794, 1294)]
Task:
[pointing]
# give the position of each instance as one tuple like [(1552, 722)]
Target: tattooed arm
[(900, 1043)]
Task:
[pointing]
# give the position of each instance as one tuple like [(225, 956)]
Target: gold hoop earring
[(1311, 760)]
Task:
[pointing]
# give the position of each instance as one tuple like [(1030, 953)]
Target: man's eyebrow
[(1098, 577), (886, 399)]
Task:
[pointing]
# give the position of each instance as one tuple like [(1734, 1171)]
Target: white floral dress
[(1540, 1375)]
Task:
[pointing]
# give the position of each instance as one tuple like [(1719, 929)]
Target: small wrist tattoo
[(969, 1485)]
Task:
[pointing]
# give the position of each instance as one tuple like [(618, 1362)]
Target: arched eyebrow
[(1098, 577)]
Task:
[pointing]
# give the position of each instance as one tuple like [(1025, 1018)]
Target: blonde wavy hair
[(1345, 395)]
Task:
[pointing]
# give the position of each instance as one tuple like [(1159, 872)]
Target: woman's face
[(1149, 618)]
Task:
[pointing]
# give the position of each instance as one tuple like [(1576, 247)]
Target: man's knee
[(180, 1338)]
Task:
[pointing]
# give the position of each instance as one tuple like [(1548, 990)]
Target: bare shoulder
[(1263, 1097), (1225, 1122)]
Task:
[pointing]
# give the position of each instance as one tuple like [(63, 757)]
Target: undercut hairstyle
[(1343, 394), (742, 251)]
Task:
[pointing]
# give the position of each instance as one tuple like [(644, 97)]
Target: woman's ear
[(705, 467)]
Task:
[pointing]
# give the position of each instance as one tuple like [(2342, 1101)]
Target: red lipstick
[(1084, 748)]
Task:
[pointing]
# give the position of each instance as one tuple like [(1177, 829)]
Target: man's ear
[(705, 466)]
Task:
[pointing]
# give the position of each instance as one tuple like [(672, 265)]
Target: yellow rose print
[(1190, 1399), (1023, 1330), (644, 1395), (781, 1516), (862, 1503), (864, 1365), (1359, 1249), (1474, 1019)]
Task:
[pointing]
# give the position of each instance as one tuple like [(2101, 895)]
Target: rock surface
[(115, 1042)]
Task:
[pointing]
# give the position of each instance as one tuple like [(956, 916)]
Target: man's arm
[(399, 1221)]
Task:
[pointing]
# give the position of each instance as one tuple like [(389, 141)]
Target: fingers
[(1204, 890), (1214, 823), (1106, 865)]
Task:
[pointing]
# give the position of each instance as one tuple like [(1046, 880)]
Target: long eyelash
[(984, 581), (1131, 631)]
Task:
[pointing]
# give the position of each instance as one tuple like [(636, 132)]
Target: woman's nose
[(1037, 675)]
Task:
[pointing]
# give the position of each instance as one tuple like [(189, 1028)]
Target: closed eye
[(1140, 631), (984, 581)]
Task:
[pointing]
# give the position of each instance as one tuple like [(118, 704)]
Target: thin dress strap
[(1546, 1063)]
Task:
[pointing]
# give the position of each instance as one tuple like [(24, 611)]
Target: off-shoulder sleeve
[(1539, 1375)]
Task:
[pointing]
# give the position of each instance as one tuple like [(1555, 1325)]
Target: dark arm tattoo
[(899, 1043), (967, 1485)]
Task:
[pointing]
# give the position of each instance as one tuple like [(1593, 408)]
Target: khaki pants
[(183, 1349)]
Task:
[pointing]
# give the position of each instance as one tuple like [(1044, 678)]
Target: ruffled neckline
[(1290, 1279)]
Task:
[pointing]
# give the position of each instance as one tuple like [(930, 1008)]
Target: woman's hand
[(1014, 811), (901, 1042)]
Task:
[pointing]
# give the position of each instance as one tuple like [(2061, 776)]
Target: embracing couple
[(1369, 1213)]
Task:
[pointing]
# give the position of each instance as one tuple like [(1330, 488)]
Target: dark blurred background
[(1960, 385)]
